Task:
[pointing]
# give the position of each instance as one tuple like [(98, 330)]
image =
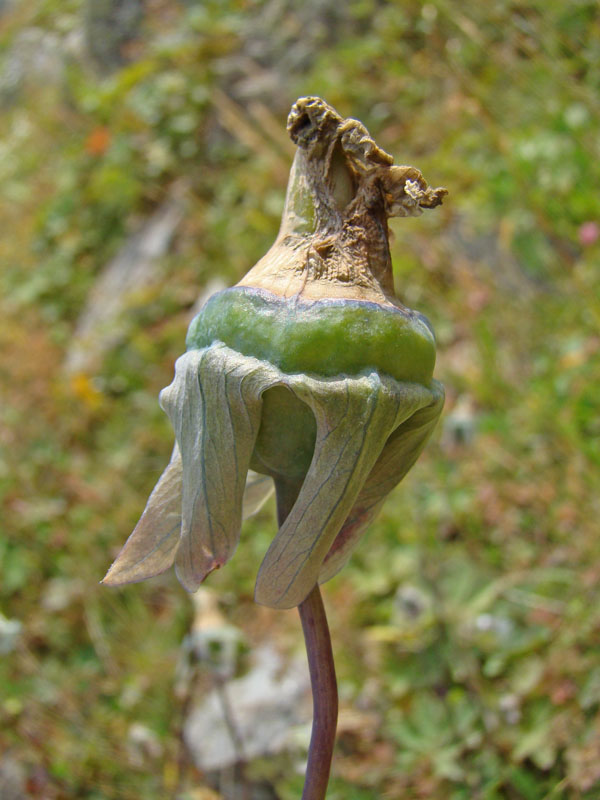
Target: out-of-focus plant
[(309, 371), (502, 102)]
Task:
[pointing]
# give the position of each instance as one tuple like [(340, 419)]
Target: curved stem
[(325, 697), (322, 673)]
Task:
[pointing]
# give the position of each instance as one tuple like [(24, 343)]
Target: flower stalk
[(325, 696), (322, 674)]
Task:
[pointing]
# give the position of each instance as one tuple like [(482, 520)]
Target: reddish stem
[(325, 697), (322, 672)]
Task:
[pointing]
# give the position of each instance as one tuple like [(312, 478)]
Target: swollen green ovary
[(286, 438), (319, 338)]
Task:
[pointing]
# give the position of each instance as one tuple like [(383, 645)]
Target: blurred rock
[(460, 424), (12, 779), (143, 745), (411, 602), (10, 630), (270, 711), (509, 705), (110, 27), (136, 266), (35, 55), (280, 40), (5, 5), (59, 593)]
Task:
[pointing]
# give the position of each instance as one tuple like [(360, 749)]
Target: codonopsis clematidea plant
[(309, 375)]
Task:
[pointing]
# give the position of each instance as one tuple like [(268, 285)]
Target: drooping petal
[(214, 404), (152, 546), (423, 407), (354, 418)]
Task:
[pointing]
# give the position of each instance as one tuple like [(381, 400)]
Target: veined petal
[(151, 547), (423, 407), (354, 418), (214, 404)]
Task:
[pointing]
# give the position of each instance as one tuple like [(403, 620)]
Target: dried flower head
[(310, 372)]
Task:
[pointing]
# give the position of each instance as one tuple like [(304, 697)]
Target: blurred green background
[(143, 157)]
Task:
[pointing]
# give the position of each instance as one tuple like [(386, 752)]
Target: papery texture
[(370, 429), (355, 417), (214, 404), (397, 457), (152, 546)]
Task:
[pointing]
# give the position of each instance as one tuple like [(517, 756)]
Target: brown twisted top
[(333, 240)]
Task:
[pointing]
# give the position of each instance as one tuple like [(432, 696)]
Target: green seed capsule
[(320, 337)]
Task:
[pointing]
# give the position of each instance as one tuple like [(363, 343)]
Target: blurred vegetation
[(467, 626)]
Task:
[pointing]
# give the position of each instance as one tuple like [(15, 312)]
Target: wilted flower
[(309, 371)]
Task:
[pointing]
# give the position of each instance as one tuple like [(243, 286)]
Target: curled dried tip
[(407, 193), (433, 197), (310, 119), (317, 127), (358, 144)]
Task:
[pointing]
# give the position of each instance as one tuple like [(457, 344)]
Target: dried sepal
[(214, 404), (152, 546), (370, 429), (397, 457), (355, 418), (194, 513)]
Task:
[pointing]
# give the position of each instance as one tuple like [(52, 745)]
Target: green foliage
[(466, 626)]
